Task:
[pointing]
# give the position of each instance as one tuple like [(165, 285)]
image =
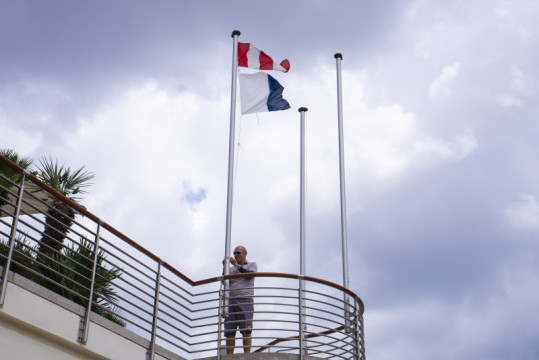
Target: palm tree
[(10, 176), (60, 216)]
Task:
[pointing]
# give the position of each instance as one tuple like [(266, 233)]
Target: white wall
[(33, 327)]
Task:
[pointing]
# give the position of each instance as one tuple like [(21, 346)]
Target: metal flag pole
[(302, 111), (231, 144), (303, 326), (338, 59)]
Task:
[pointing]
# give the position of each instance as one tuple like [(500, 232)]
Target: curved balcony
[(139, 294)]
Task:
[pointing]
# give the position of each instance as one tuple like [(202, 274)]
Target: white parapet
[(38, 324)]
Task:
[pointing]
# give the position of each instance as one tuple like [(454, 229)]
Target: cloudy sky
[(440, 119)]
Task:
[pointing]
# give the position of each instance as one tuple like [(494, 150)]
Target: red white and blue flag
[(251, 57), (260, 92)]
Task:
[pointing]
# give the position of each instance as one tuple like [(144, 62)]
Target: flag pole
[(303, 323), (231, 144), (338, 59), (302, 111)]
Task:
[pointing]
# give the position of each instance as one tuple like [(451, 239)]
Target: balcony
[(101, 277)]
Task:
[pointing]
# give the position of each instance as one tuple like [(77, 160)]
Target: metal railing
[(109, 274)]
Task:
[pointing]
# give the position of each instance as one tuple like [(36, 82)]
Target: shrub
[(69, 274)]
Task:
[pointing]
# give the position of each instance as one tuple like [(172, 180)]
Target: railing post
[(151, 353), (347, 314), (356, 331), (221, 314), (14, 225), (85, 326), (302, 326), (360, 340)]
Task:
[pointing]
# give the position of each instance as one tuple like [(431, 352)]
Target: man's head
[(240, 254)]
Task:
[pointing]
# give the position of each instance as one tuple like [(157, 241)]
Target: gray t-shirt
[(243, 287)]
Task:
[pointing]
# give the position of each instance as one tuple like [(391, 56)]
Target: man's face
[(240, 254)]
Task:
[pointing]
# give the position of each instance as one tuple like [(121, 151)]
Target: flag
[(251, 57), (261, 92)]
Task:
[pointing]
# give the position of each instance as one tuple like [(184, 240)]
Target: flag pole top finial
[(338, 56), (302, 109), (236, 33)]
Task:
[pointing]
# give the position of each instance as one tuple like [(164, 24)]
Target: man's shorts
[(240, 315)]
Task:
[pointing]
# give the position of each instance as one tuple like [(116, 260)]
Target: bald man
[(240, 307)]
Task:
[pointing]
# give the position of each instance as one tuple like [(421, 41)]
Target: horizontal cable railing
[(91, 263)]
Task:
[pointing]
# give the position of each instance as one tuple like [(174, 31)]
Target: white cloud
[(518, 20), (517, 87), (20, 140), (159, 159), (517, 79), (524, 213), (441, 86), (458, 148), (391, 141), (508, 100)]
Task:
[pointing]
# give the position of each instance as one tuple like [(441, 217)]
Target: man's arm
[(252, 268)]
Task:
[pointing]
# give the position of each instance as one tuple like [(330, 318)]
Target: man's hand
[(233, 261)]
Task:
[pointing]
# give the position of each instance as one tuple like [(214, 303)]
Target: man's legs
[(230, 342), (246, 341), (241, 315), (231, 325)]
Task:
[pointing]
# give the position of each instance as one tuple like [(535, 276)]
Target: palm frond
[(63, 179), (24, 162), (9, 174)]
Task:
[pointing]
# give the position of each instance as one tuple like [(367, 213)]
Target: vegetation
[(66, 270), (10, 176), (22, 260), (69, 274)]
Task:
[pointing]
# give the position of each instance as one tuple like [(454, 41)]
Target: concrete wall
[(38, 324)]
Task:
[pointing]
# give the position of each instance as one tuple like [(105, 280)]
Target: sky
[(440, 119)]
